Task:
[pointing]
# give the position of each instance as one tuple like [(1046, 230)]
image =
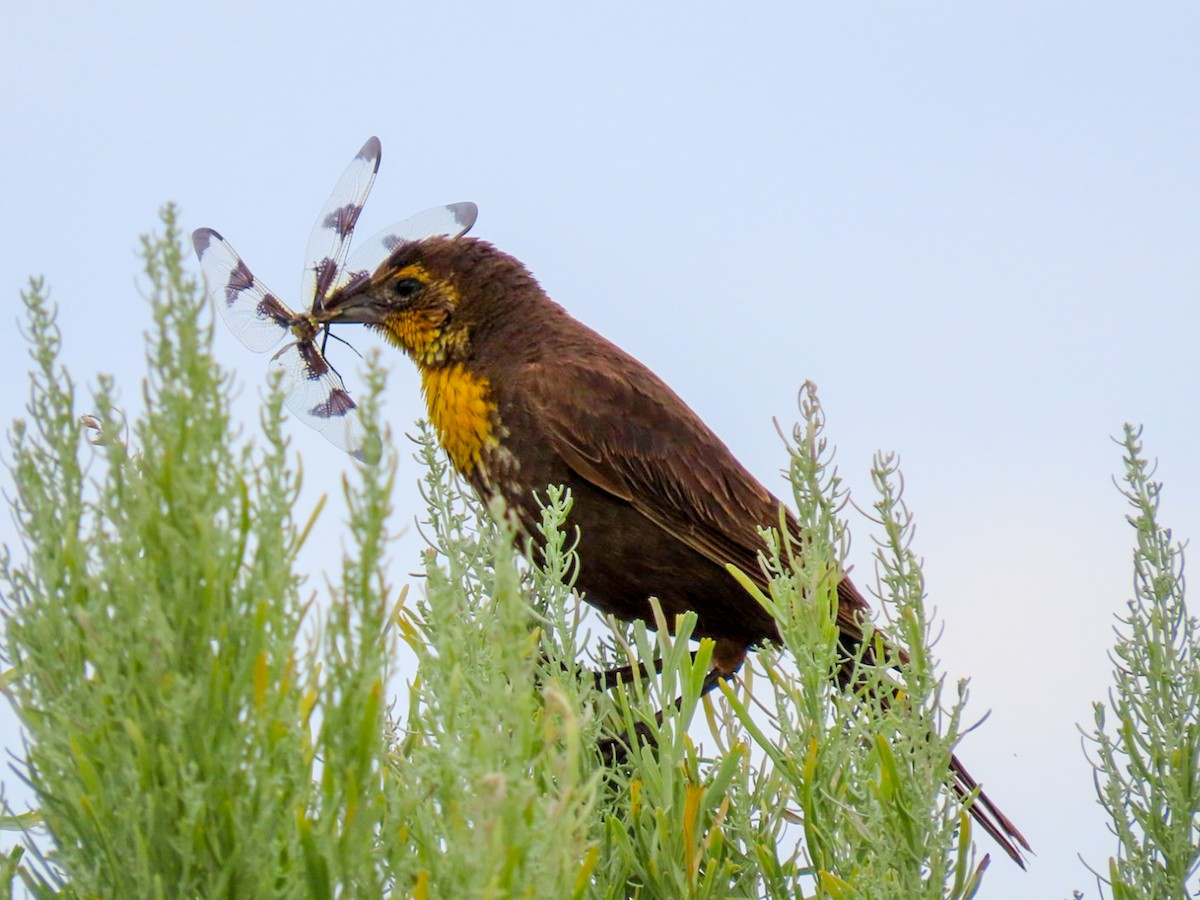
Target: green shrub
[(1148, 757), (198, 723)]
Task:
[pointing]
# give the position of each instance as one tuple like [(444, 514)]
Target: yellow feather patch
[(419, 329), (416, 331), (461, 411)]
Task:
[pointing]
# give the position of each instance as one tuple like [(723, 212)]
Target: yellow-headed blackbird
[(522, 396)]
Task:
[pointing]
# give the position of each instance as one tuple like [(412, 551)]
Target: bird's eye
[(405, 288)]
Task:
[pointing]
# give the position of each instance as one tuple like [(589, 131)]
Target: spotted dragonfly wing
[(451, 220), (257, 317), (330, 238), (315, 393)]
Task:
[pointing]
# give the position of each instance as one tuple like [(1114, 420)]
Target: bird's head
[(431, 296)]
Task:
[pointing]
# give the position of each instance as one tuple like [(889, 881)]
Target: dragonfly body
[(258, 317)]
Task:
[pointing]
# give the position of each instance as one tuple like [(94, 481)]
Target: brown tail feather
[(988, 815), (851, 606)]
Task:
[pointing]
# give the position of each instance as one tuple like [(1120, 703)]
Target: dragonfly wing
[(451, 220), (330, 238), (254, 314), (316, 394)]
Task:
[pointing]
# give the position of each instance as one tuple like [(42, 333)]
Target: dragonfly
[(312, 389)]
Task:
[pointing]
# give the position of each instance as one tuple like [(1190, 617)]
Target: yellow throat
[(462, 413)]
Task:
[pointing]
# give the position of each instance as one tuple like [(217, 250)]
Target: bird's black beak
[(354, 304)]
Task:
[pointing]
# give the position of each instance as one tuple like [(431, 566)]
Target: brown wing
[(619, 426)]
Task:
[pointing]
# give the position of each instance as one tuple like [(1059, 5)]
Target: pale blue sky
[(974, 226)]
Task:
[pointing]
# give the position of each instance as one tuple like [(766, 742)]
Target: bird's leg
[(607, 679), (610, 678), (615, 750), (712, 679), (728, 657)]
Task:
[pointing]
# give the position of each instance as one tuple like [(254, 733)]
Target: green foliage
[(491, 784), (1148, 757), (867, 768), (179, 740), (197, 725), (499, 786)]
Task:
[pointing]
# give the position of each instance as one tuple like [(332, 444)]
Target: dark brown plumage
[(522, 396)]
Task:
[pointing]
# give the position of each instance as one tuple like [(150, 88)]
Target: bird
[(522, 395)]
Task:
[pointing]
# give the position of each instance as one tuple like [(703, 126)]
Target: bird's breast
[(463, 413)]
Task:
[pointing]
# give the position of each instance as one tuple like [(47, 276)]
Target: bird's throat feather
[(462, 413)]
